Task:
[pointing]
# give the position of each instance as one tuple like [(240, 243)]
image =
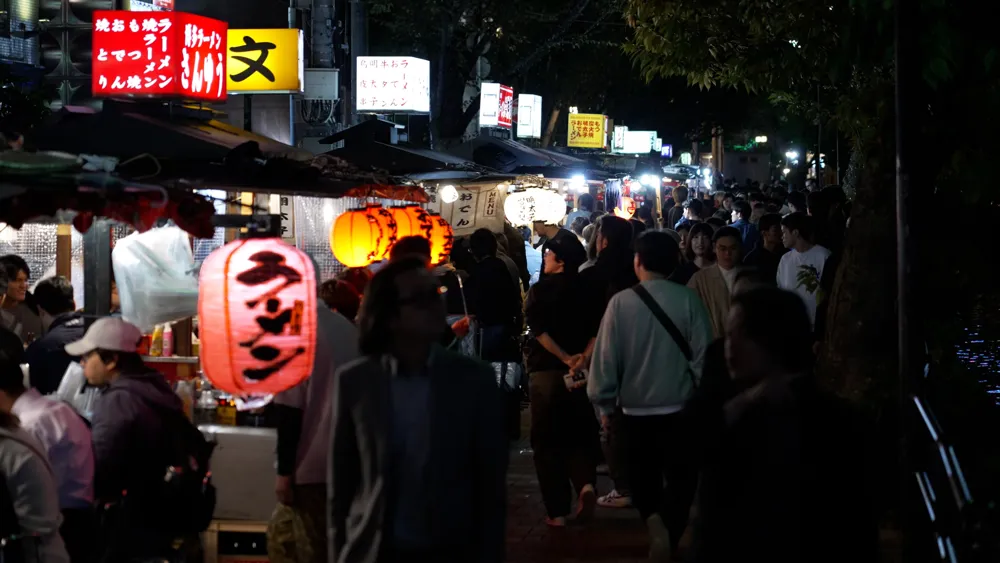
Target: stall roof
[(502, 154), (186, 147), (375, 144)]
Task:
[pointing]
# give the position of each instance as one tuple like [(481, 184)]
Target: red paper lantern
[(411, 220), (257, 317), (362, 236), (442, 238)]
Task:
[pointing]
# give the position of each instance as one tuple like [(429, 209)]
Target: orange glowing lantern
[(257, 317), (387, 229), (442, 238), (362, 236), (625, 209), (411, 220)]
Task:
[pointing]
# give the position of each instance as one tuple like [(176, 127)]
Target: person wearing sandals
[(563, 425)]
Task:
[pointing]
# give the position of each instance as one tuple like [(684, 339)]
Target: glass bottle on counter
[(185, 390), (207, 405)]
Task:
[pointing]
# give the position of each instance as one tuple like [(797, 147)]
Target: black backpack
[(187, 500)]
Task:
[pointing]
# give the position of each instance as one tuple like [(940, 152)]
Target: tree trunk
[(550, 128), (858, 356)]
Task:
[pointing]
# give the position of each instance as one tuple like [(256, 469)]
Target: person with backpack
[(151, 463), (29, 501), (647, 361)]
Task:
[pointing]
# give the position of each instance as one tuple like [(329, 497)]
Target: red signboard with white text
[(505, 117), (168, 54), (496, 105)]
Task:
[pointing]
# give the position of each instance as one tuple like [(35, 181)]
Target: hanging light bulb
[(449, 194)]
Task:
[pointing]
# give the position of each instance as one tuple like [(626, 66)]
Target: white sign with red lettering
[(393, 85), (496, 105)]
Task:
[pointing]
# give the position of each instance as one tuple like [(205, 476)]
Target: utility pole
[(359, 48)]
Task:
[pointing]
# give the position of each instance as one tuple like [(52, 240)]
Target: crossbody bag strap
[(668, 324), (664, 319)]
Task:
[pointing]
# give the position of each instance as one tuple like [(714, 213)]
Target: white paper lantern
[(534, 204)]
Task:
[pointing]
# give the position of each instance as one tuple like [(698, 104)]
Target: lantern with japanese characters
[(387, 228), (362, 236), (411, 221), (442, 238), (257, 317), (626, 208)]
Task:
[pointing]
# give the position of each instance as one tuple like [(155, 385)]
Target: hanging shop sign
[(149, 5), (657, 144), (667, 151), (638, 142), (529, 116), (474, 207), (496, 105), (265, 61), (169, 54), (586, 130), (618, 138), (393, 85), (257, 317)]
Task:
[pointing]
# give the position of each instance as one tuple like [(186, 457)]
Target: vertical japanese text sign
[(169, 54)]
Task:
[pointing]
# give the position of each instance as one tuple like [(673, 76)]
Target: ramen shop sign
[(159, 54)]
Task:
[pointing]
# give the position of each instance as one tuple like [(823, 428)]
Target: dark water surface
[(981, 349)]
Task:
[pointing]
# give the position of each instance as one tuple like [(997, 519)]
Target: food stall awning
[(185, 147), (502, 154), (376, 144)]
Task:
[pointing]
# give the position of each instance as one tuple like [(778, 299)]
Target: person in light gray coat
[(647, 360)]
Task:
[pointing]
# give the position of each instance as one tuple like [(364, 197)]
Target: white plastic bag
[(74, 390), (156, 276)]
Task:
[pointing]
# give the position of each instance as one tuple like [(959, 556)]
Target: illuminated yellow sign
[(265, 61), (586, 130)]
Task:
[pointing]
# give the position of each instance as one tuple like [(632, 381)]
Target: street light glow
[(786, 171), (792, 155)]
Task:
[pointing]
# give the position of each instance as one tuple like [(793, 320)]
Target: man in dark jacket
[(47, 358), (130, 437)]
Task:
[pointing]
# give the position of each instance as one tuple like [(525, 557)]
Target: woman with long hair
[(698, 253), (563, 426)]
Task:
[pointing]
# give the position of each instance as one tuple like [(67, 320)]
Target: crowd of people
[(676, 352)]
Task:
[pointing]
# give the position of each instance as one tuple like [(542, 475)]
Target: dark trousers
[(614, 454), (563, 436), (78, 530), (659, 448)]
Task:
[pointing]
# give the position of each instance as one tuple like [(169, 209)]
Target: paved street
[(614, 536)]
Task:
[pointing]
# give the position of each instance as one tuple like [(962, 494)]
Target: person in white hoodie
[(647, 359), (29, 501)]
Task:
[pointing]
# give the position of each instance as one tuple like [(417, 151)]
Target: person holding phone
[(564, 429)]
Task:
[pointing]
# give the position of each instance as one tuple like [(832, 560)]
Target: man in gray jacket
[(647, 359)]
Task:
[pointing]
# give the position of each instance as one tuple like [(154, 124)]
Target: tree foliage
[(512, 37)]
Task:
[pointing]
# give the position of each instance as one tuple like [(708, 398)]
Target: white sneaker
[(614, 499)]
